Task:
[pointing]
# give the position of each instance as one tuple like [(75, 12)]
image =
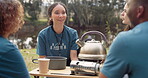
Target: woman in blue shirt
[(57, 39), (12, 64)]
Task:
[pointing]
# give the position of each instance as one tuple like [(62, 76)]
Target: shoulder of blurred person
[(11, 20)]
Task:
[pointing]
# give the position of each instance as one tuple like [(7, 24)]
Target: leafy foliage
[(32, 9), (83, 15)]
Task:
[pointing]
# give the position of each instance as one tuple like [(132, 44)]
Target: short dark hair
[(52, 7), (11, 16), (141, 2)]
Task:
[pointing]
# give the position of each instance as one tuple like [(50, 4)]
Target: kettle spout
[(79, 42)]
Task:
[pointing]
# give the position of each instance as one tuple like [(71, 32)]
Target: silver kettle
[(92, 50)]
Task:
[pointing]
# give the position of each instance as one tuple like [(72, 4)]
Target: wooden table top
[(65, 73)]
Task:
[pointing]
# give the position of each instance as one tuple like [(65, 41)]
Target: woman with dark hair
[(57, 39), (125, 19), (12, 64)]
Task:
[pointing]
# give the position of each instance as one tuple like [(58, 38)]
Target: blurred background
[(83, 15)]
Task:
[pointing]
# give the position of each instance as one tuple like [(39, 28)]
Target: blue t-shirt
[(52, 44), (128, 54), (12, 64)]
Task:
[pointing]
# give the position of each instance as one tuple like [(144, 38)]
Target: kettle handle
[(94, 32)]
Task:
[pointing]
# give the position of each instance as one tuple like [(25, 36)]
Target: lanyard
[(59, 41)]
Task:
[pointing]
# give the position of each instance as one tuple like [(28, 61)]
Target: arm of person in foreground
[(73, 55), (101, 75)]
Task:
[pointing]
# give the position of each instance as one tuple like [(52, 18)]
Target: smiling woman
[(125, 19), (57, 39)]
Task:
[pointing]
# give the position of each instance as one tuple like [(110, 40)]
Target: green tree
[(32, 9)]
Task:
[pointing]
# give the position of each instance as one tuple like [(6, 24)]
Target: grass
[(43, 20), (28, 55)]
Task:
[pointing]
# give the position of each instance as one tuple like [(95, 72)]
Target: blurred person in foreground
[(12, 64), (57, 39), (128, 53)]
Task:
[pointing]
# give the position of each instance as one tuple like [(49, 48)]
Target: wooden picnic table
[(65, 73)]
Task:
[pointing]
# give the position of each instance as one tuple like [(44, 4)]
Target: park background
[(83, 15)]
